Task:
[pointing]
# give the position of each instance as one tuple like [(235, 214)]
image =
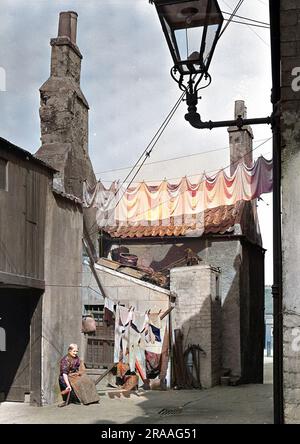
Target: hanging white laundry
[(137, 326), (109, 304)]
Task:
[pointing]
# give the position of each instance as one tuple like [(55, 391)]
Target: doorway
[(19, 359)]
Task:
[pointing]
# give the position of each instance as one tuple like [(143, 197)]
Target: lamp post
[(192, 29)]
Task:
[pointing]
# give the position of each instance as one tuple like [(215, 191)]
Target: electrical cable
[(246, 18), (170, 159), (147, 153), (218, 170), (239, 4), (157, 134), (253, 30), (249, 24)]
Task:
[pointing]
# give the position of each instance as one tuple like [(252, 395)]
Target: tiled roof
[(67, 196), (218, 220)]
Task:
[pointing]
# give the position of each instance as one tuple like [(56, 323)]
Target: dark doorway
[(17, 307)]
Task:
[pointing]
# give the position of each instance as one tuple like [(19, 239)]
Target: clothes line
[(109, 305), (145, 204)]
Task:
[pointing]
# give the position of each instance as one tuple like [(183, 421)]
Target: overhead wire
[(202, 181), (239, 4), (171, 158), (146, 153), (249, 24), (247, 18), (253, 30), (158, 134)]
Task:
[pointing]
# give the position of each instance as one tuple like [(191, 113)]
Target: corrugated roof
[(218, 220)]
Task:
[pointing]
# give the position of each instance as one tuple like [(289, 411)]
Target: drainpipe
[(277, 247)]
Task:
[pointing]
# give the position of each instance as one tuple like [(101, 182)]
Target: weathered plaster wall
[(131, 291), (290, 131), (62, 306), (198, 315), (22, 217)]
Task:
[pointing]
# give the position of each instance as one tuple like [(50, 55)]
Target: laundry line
[(109, 303)]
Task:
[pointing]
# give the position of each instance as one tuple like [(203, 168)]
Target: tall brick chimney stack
[(240, 140), (64, 112)]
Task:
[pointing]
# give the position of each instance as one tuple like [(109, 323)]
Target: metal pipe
[(277, 245), (239, 123)]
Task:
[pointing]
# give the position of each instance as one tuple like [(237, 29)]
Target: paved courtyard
[(245, 404)]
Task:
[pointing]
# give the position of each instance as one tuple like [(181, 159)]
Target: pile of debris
[(161, 279), (125, 262)]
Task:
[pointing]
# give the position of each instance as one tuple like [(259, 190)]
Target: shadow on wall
[(176, 252), (243, 319), (16, 310), (231, 326)]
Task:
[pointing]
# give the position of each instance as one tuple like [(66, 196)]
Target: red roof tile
[(218, 220)]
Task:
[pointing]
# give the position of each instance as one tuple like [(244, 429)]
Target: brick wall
[(197, 314)]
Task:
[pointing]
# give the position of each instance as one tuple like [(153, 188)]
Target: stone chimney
[(64, 112), (240, 140)]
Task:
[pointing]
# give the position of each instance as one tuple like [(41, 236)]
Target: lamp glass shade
[(191, 29)]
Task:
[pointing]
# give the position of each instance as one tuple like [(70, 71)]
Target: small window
[(96, 310), (3, 174)]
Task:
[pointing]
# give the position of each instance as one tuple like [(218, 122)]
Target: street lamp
[(192, 29)]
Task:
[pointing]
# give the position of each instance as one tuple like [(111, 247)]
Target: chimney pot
[(240, 109), (68, 25)]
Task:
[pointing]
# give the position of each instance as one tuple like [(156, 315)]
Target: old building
[(42, 226), (231, 241), (40, 300)]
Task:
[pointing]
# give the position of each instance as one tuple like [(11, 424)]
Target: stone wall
[(198, 315), (290, 131), (64, 113)]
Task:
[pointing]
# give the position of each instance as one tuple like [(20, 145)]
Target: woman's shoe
[(62, 404)]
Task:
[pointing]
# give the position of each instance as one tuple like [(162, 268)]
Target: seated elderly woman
[(76, 387)]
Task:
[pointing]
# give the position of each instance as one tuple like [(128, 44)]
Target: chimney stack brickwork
[(240, 140), (64, 112)]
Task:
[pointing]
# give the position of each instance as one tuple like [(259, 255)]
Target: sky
[(126, 80)]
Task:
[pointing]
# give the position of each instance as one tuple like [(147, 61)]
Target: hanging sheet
[(185, 202)]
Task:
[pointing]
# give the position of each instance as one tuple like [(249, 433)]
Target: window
[(3, 174), (96, 310)]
